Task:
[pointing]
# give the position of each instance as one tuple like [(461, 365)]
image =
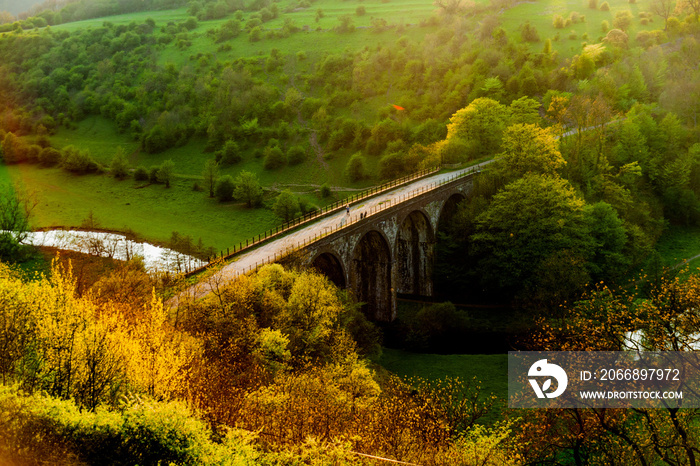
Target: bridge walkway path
[(276, 249)]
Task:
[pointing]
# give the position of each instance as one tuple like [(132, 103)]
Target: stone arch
[(448, 211), (415, 242), (371, 276), (331, 266)]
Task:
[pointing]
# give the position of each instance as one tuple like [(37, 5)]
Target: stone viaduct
[(391, 251)]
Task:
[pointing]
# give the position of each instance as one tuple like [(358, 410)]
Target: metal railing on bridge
[(272, 258), (312, 216)]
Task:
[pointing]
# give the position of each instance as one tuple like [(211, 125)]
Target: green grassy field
[(541, 16), (152, 212), (491, 370)]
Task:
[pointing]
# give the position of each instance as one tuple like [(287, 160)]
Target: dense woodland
[(595, 156)]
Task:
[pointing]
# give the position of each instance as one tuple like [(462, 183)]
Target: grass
[(679, 243), (491, 370), (151, 212), (541, 17)]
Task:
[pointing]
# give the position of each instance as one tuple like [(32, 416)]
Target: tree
[(15, 211), (120, 165), (210, 175), (229, 154), (248, 189), (355, 168), (533, 223), (525, 110), (481, 123), (529, 149), (662, 8), (286, 205), (274, 158), (165, 172), (296, 155), (224, 188)]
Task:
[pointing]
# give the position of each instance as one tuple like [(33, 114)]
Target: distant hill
[(17, 6)]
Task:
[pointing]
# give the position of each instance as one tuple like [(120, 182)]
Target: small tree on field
[(355, 169), (296, 155), (274, 158), (210, 175), (248, 189), (225, 186), (165, 172), (119, 166), (286, 205)]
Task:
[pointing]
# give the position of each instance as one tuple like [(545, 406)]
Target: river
[(116, 246)]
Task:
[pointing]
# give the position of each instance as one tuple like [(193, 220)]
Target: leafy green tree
[(529, 149), (481, 123), (274, 158), (610, 237), (524, 110), (286, 205), (165, 172), (224, 189), (210, 175), (532, 221), (120, 165), (296, 155), (15, 211), (355, 168), (77, 161), (248, 189), (229, 154)]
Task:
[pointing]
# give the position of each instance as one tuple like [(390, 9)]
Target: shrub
[(224, 188), (604, 6), (274, 158), (296, 155), (153, 174), (593, 4), (325, 190), (558, 22), (49, 156), (529, 33), (141, 173), (119, 166), (77, 161), (360, 10), (604, 26), (229, 154), (355, 168)]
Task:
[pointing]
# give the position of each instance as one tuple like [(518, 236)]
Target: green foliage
[(165, 172), (119, 168), (248, 189), (210, 175), (296, 155), (355, 169), (532, 222), (77, 161), (141, 173), (224, 188), (286, 205), (229, 154), (481, 123), (274, 158)]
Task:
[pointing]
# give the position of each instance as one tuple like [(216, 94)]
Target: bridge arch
[(371, 275), (415, 242), (330, 265), (448, 210)]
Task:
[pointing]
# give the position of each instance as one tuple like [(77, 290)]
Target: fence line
[(271, 258)]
